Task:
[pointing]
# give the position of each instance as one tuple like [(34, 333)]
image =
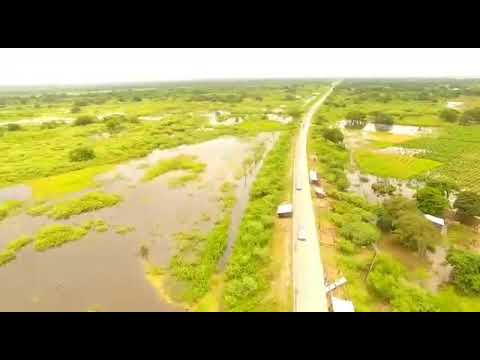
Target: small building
[(319, 192), (438, 222), (336, 284), (285, 211), (313, 177), (340, 305)]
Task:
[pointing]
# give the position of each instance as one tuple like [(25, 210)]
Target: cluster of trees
[(408, 224), (468, 117), (84, 120), (334, 135), (466, 270), (82, 154)]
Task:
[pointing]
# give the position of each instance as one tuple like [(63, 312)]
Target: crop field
[(458, 149)]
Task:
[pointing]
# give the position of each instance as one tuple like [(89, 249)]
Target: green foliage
[(347, 247), (97, 225), (450, 115), (6, 256), (13, 127), (334, 135), (199, 254), (468, 202), (388, 280), (39, 209), (466, 270), (90, 202), (415, 232), (84, 120), (382, 118), (113, 125), (360, 233), (82, 154), (9, 208), (431, 201), (383, 188), (56, 235), (181, 162), (247, 279), (123, 230), (19, 243)]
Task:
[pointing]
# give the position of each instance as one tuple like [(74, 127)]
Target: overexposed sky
[(92, 66)]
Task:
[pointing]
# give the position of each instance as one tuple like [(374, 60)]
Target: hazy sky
[(78, 66)]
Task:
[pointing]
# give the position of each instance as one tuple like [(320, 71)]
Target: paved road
[(308, 278)]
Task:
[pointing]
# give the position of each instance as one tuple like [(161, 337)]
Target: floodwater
[(104, 271), (362, 183), (392, 129)]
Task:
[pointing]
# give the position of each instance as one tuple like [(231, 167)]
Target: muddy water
[(243, 196), (103, 270), (17, 192), (362, 183)]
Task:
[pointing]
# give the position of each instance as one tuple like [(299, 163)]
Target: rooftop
[(435, 220), (340, 305), (284, 209)]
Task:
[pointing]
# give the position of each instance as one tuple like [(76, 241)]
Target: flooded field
[(392, 129), (104, 271)]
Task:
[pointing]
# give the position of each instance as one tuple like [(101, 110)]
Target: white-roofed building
[(313, 177), (285, 210), (319, 192), (340, 305), (438, 222)]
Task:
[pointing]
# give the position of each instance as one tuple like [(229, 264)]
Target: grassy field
[(395, 166)]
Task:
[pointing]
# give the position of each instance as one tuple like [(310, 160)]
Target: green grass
[(56, 235), (52, 187), (180, 162), (395, 166), (97, 225), (9, 208), (123, 229), (247, 281), (10, 252), (87, 203), (458, 148), (19, 244), (198, 254)]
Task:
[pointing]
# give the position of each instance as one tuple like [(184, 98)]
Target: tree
[(75, 110), (431, 200), (470, 116), (355, 120), (382, 118), (333, 134), (14, 127), (450, 115), (84, 120), (82, 154), (466, 270), (113, 125), (468, 203), (415, 232), (444, 185), (360, 233)]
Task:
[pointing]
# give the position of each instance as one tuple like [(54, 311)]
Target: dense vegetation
[(181, 162), (247, 277), (56, 235)]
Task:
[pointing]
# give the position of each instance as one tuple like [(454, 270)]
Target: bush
[(416, 232), (84, 120), (468, 203), (360, 233), (90, 202), (82, 154), (13, 127), (56, 235), (466, 270), (9, 207), (449, 115), (431, 201), (75, 110), (347, 247), (333, 134), (113, 125)]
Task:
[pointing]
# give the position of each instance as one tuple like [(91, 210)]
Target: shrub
[(416, 232), (347, 247), (468, 203), (56, 235), (9, 207), (82, 154), (6, 256), (90, 202), (84, 120), (360, 233), (333, 134), (450, 115), (431, 200), (13, 127), (466, 270)]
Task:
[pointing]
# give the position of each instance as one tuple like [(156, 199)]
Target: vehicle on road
[(302, 233), (298, 185)]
